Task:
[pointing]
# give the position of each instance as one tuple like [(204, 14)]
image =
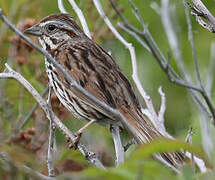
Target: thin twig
[(173, 40), (135, 35), (50, 154), (189, 140), (52, 130), (200, 11), (206, 13), (81, 17), (162, 108), (190, 37), (132, 141), (171, 74), (61, 6)]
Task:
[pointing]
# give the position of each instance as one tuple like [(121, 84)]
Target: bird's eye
[(51, 27)]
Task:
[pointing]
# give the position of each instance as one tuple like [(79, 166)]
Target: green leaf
[(168, 145)]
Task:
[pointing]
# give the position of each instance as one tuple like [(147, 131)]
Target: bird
[(98, 73)]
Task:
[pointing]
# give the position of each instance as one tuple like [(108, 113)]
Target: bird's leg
[(78, 134)]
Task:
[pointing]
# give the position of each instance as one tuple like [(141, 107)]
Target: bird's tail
[(143, 131)]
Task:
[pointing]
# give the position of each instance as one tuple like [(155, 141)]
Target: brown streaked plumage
[(96, 71)]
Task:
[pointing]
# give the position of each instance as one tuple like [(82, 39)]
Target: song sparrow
[(96, 71)]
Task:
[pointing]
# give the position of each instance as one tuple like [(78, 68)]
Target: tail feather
[(143, 131)]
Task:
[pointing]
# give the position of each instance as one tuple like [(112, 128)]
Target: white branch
[(118, 145), (162, 109), (81, 17), (61, 6), (206, 13), (52, 129)]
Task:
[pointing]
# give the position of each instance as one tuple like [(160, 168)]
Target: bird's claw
[(73, 143)]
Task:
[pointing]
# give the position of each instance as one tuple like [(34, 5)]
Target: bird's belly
[(73, 103)]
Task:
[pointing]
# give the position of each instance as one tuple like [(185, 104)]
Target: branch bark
[(118, 145)]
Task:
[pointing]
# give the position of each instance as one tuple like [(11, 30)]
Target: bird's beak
[(34, 30)]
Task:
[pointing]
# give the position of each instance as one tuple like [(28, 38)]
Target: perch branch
[(52, 130), (118, 144)]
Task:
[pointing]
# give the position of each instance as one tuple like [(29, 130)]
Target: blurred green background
[(15, 103)]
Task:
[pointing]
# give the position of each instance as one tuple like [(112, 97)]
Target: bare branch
[(162, 108), (136, 36), (173, 40), (81, 17), (193, 158), (52, 130), (190, 37), (118, 145), (166, 67), (50, 154), (132, 141), (163, 62), (189, 140), (200, 11), (61, 6)]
